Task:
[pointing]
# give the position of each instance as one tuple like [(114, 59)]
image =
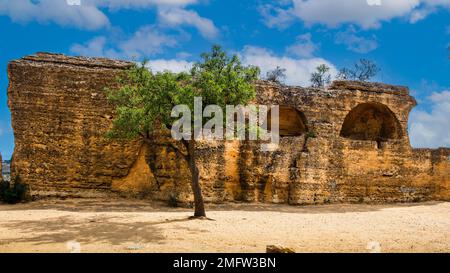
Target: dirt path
[(136, 226)]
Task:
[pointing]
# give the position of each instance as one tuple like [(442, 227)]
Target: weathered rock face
[(1, 168), (59, 115), (348, 143)]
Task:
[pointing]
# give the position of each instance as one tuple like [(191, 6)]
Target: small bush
[(311, 134), (173, 200), (13, 193)]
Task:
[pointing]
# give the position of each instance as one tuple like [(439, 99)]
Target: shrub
[(311, 134), (13, 193), (173, 200)]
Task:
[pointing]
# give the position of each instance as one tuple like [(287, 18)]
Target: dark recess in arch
[(292, 122), (371, 121)]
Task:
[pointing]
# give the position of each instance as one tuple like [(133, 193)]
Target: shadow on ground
[(127, 205), (109, 230)]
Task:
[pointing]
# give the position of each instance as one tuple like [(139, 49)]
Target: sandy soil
[(137, 226)]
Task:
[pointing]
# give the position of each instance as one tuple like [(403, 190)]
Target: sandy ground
[(137, 226)]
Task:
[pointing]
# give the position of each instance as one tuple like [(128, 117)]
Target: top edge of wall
[(45, 57)]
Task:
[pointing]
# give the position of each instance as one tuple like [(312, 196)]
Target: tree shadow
[(130, 205), (110, 230), (95, 205)]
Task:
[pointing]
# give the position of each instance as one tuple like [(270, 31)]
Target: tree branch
[(151, 142)]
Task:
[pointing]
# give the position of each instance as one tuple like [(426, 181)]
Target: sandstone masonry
[(346, 143)]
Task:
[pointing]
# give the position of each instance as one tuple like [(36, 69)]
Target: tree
[(363, 70), (320, 77), (144, 102), (277, 75)]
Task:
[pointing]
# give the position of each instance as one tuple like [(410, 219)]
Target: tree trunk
[(195, 183)]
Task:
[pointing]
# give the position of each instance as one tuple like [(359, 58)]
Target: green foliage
[(173, 200), (311, 134), (223, 80), (145, 100), (14, 192), (320, 77)]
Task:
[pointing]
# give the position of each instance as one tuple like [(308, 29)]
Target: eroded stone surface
[(60, 115)]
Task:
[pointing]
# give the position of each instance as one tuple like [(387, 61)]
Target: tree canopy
[(144, 101)]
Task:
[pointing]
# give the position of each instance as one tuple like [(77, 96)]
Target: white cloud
[(304, 47), (174, 17), (420, 14), (54, 11), (354, 42), (90, 15), (298, 71), (431, 128), (276, 17), (175, 66), (145, 42), (333, 13), (98, 47), (139, 4), (93, 48)]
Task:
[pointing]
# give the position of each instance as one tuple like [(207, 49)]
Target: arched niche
[(292, 122), (371, 121)]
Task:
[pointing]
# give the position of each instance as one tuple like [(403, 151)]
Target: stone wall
[(348, 143)]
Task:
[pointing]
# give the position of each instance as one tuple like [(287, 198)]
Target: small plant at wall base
[(13, 192), (145, 100), (173, 200)]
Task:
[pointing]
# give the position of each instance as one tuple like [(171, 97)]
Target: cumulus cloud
[(356, 43), (174, 17), (431, 128), (54, 11), (333, 13), (298, 71), (420, 14), (139, 4), (276, 17), (145, 42), (304, 47), (93, 48), (90, 15), (175, 66)]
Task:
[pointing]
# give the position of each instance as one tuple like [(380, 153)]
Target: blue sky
[(408, 39)]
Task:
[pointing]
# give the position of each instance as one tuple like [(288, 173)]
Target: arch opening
[(292, 122), (371, 121)]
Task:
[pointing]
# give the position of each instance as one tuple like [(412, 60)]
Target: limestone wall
[(60, 115)]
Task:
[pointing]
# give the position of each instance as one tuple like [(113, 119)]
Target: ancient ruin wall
[(348, 143), (59, 116)]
